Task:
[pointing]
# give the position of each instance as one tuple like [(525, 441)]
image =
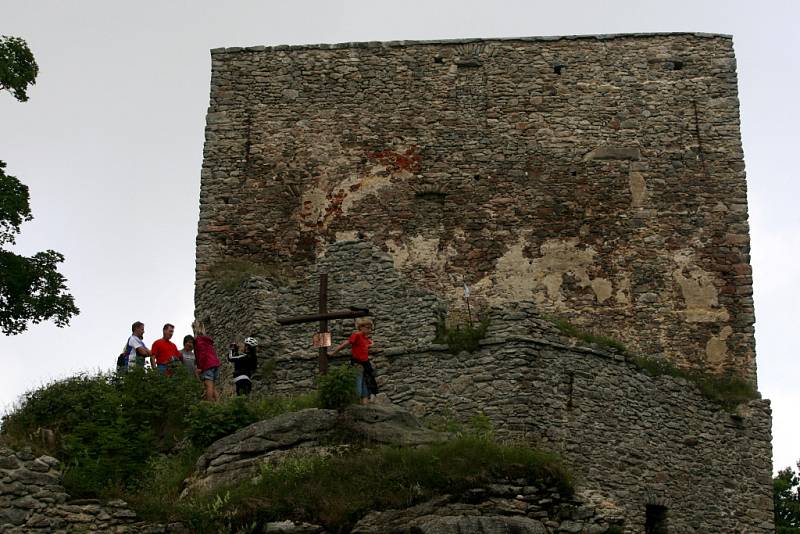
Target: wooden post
[(323, 323), (323, 317)]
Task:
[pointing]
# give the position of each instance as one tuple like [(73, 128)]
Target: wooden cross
[(323, 317)]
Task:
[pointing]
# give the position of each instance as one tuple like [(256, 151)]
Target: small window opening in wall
[(655, 521), (431, 196), (675, 65), (573, 172), (438, 59), (477, 177), (558, 68)]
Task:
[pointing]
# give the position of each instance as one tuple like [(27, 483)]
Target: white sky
[(111, 143)]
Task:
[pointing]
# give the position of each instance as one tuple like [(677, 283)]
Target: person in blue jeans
[(360, 346)]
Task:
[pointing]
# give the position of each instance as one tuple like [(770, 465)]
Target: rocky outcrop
[(238, 457), (508, 507)]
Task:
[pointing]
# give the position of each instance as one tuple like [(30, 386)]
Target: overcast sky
[(111, 143)]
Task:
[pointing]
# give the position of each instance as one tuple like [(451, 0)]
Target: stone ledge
[(395, 44)]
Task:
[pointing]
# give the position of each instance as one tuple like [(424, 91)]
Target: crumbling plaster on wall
[(322, 203), (540, 278), (419, 252), (638, 189), (517, 277), (717, 349), (698, 289)]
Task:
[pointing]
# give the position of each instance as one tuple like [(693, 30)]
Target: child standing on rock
[(360, 343)]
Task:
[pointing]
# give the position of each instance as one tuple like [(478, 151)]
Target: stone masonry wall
[(32, 499), (600, 177), (636, 440)]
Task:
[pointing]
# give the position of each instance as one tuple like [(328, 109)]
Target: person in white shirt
[(136, 351)]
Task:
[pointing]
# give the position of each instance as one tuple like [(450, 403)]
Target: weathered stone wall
[(637, 439), (633, 438), (600, 177), (32, 499)]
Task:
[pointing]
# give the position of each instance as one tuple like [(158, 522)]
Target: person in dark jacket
[(244, 365)]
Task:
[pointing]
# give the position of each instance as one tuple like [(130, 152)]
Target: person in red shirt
[(360, 344), (207, 362), (164, 352)]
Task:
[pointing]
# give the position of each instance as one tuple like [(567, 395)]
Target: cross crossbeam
[(323, 316)]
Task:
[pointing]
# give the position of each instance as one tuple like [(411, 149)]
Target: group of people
[(197, 357)]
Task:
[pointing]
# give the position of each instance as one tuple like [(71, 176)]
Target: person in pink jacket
[(206, 361)]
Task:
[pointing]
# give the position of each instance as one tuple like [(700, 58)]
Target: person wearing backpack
[(135, 351)]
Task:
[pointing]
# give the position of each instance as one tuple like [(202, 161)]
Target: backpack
[(122, 359)]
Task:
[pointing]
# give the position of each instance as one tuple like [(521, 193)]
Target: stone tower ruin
[(598, 179)]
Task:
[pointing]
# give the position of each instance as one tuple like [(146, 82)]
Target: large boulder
[(238, 457), (444, 515)]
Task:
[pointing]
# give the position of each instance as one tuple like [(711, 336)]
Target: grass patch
[(479, 426), (155, 490), (463, 337), (208, 422), (569, 329), (728, 391), (321, 490), (231, 273)]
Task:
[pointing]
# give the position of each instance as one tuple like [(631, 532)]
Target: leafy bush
[(107, 425), (337, 388), (210, 421), (59, 406), (480, 427), (461, 338)]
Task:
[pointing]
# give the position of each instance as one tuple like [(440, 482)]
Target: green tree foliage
[(786, 497), (18, 68), (31, 288), (107, 426)]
